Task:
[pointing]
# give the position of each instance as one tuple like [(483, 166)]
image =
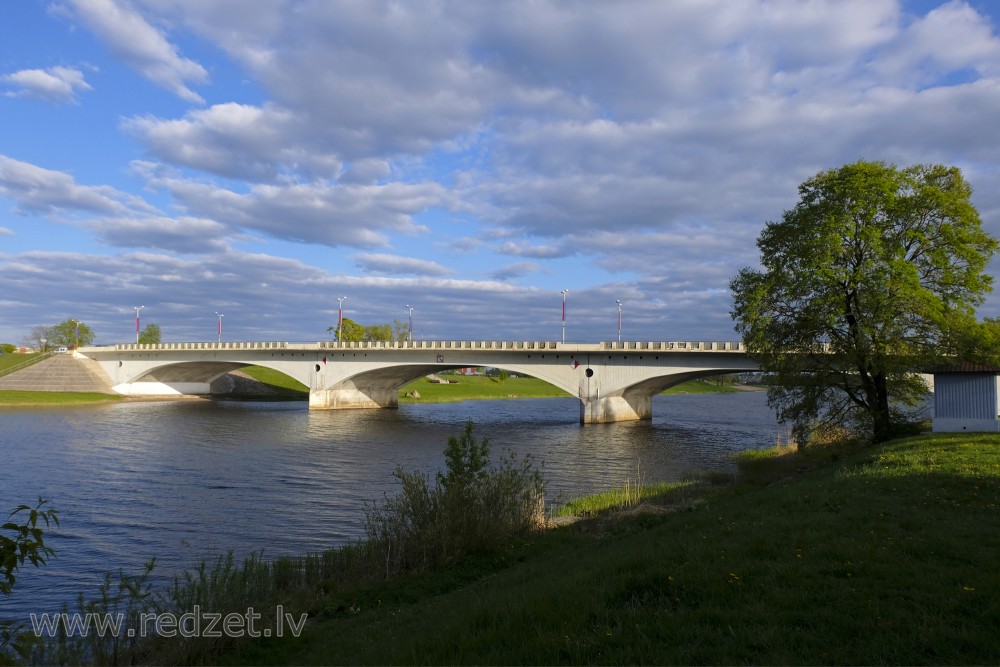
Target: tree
[(34, 339), (350, 331), (150, 334), (8, 348), (400, 330), (66, 334), (881, 266), (378, 332)]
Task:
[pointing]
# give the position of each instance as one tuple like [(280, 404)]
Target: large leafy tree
[(865, 281), (65, 333)]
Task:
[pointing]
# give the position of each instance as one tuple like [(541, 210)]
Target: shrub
[(470, 507)]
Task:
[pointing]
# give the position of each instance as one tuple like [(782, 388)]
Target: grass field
[(876, 556), (27, 398), (9, 360)]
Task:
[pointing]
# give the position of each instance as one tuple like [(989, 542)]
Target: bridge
[(615, 381)]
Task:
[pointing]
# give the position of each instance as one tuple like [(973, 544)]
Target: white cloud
[(145, 48), (39, 190), (352, 215), (6, 232), (56, 85), (384, 263)]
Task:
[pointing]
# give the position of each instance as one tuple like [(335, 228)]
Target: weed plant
[(469, 508)]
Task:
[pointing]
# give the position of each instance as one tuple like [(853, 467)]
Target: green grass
[(473, 387), (9, 360), (873, 556), (702, 387), (276, 379), (25, 398), (627, 497)]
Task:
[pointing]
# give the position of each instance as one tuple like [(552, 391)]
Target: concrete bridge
[(615, 381)]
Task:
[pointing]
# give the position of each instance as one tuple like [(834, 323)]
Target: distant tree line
[(73, 333)]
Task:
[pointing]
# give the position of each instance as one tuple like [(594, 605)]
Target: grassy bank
[(475, 387), (41, 398), (884, 555), (11, 360)]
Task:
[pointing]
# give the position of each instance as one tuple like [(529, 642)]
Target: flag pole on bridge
[(564, 293)]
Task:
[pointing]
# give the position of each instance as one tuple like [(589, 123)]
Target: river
[(182, 480)]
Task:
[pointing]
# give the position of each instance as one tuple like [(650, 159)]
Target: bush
[(471, 507)]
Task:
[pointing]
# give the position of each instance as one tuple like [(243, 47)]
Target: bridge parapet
[(264, 345), (676, 346), (517, 345)]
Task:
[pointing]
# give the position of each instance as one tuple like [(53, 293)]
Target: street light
[(220, 326), (409, 330), (44, 341), (618, 301), (76, 333), (564, 293), (340, 316), (137, 309)]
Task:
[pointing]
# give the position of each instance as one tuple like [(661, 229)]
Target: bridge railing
[(700, 346), (676, 346), (261, 345), (440, 345)]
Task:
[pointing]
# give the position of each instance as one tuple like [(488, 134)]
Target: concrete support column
[(351, 398), (615, 409)]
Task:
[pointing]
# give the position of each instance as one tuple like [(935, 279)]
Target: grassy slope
[(470, 387), (885, 556), (8, 360), (27, 398)]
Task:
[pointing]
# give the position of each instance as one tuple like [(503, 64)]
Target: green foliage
[(65, 334), (349, 331), (8, 348), (471, 507), (150, 335), (882, 264), (24, 541)]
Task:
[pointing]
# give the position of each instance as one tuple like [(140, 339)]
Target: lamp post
[(618, 301), (340, 316), (76, 333), (44, 341), (137, 309), (409, 330), (564, 293), (220, 326)]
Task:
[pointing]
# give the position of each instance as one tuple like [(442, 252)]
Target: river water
[(183, 480)]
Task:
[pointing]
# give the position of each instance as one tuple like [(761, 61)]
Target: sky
[(469, 160)]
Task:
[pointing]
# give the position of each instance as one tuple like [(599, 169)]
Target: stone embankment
[(60, 372)]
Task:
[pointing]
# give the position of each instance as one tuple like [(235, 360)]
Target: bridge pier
[(607, 409), (352, 398)]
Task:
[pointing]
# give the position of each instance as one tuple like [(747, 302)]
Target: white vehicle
[(61, 350)]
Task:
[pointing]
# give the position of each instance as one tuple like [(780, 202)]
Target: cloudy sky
[(469, 159)]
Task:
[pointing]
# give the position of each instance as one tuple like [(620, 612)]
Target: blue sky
[(470, 159)]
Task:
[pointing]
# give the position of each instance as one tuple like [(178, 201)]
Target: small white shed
[(967, 398)]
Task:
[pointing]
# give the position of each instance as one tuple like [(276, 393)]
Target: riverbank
[(882, 555)]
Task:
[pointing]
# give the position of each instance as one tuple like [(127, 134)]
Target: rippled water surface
[(188, 479)]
